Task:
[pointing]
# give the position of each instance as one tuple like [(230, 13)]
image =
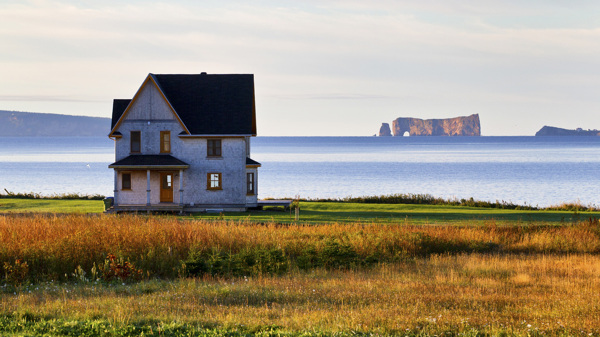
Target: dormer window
[(165, 142), (136, 141), (213, 148)]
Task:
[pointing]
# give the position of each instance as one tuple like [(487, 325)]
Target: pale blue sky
[(321, 67)]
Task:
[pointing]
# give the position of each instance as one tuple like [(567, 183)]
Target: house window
[(126, 181), (214, 181), (136, 141), (213, 148), (250, 183), (165, 142)]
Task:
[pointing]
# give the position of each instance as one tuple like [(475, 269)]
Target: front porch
[(163, 207), (148, 183)]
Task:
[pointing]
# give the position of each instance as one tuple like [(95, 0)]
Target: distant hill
[(28, 124), (553, 131)]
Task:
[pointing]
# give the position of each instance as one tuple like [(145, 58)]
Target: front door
[(166, 187)]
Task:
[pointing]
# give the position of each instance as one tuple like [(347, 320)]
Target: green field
[(327, 212), (319, 212), (21, 205)]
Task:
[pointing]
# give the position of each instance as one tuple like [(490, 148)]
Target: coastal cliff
[(553, 131), (459, 126)]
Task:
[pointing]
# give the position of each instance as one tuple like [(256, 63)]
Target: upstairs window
[(165, 142), (214, 181), (136, 141), (213, 148)]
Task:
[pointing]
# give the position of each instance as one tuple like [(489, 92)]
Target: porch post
[(180, 187), (148, 188), (116, 191)]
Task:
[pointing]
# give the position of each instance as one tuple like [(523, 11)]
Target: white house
[(182, 143)]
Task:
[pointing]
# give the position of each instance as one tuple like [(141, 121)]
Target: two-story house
[(183, 143)]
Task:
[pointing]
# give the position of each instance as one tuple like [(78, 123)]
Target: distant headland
[(458, 126), (554, 131), (29, 124)]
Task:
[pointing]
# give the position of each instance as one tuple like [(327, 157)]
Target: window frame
[(163, 148), (212, 149), (209, 181), (139, 141), (123, 175), (250, 188)]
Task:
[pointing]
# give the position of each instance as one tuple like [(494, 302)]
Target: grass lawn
[(326, 212), (319, 212), (18, 205)]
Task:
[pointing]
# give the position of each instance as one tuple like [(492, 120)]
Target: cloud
[(332, 96), (42, 98), (427, 56)]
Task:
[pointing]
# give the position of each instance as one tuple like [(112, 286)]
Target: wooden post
[(116, 191), (148, 188), (297, 207), (181, 189)]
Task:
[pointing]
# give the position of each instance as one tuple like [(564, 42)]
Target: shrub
[(428, 199), (118, 269), (258, 261), (17, 273), (338, 255), (63, 196)]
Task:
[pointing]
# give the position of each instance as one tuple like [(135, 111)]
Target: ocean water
[(525, 170)]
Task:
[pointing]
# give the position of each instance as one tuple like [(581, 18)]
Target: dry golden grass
[(489, 293), (513, 279), (54, 246)]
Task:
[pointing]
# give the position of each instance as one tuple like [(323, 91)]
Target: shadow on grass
[(411, 214)]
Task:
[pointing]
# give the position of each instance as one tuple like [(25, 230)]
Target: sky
[(321, 68)]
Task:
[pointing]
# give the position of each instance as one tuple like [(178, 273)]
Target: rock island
[(458, 126)]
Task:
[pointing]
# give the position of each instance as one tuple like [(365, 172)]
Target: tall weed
[(54, 247), (428, 199)]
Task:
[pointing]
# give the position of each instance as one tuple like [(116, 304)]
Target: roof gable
[(119, 103), (205, 104)]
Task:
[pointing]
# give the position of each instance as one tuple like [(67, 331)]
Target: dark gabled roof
[(207, 104), (119, 106), (142, 161), (252, 162)]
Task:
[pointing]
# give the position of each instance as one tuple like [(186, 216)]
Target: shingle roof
[(119, 106), (149, 161), (207, 104), (252, 162)]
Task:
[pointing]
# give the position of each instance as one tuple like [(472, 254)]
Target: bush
[(63, 196), (16, 274), (338, 255), (118, 269), (259, 261), (428, 199)]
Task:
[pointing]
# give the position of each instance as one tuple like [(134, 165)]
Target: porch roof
[(251, 162), (149, 161)]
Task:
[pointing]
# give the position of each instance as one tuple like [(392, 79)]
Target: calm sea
[(533, 170)]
